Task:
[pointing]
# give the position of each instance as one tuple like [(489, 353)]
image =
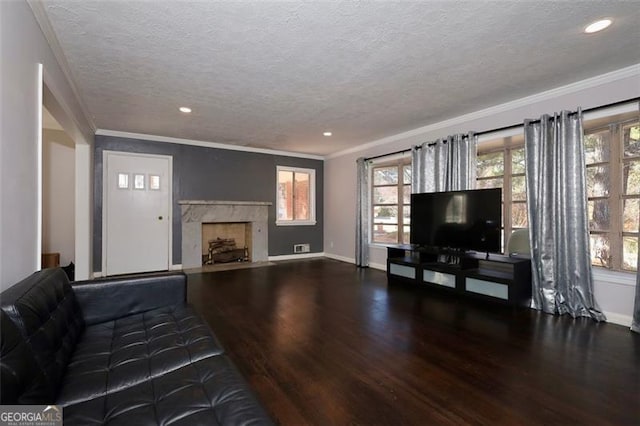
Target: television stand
[(505, 279)]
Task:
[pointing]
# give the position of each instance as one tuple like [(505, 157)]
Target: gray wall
[(216, 174)]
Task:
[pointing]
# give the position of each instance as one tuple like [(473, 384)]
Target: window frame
[(616, 198), (400, 163), (506, 148), (312, 196)]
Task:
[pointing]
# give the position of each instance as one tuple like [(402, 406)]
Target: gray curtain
[(362, 213), (444, 165), (558, 225)]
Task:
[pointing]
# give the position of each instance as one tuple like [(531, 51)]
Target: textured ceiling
[(277, 74)]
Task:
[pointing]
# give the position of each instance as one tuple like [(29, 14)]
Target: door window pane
[(489, 183), (385, 214), (600, 250), (518, 188), (517, 161), (385, 195), (491, 164), (138, 181), (630, 253), (598, 213), (385, 233), (631, 215), (406, 175), (385, 176), (598, 181), (519, 215), (631, 177), (123, 180), (596, 147), (154, 182), (631, 140)]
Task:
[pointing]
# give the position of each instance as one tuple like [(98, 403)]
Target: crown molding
[(40, 14), (206, 144), (630, 71)]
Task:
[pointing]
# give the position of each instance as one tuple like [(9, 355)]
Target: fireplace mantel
[(197, 212)]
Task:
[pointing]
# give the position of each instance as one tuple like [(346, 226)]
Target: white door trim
[(105, 156)]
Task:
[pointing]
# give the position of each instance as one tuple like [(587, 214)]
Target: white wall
[(23, 47), (615, 295), (58, 195)]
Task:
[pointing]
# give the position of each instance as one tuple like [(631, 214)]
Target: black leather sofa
[(117, 351)]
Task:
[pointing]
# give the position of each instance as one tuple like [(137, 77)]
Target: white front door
[(136, 212)]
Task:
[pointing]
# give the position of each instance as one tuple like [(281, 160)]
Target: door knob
[(159, 217)]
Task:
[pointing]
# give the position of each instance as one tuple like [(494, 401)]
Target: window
[(612, 154), (390, 202), (500, 164), (612, 157), (295, 196)]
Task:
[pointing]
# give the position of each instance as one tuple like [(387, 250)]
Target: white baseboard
[(296, 256), (379, 266), (619, 319), (176, 267), (340, 258), (96, 274)]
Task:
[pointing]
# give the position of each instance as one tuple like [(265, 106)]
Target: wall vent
[(301, 248)]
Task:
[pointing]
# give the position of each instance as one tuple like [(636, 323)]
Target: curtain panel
[(448, 164), (562, 281), (363, 203)]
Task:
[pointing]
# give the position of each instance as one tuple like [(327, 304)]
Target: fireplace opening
[(226, 242)]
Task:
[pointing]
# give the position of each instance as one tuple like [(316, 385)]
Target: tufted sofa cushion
[(22, 381), (125, 352), (208, 392), (47, 315)]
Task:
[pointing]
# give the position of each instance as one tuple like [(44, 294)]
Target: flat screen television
[(458, 220)]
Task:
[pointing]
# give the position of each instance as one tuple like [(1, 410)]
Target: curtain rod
[(511, 127)]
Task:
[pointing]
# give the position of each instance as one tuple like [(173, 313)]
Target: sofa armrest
[(107, 299)]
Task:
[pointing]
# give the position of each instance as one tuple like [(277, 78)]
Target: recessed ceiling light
[(327, 133), (596, 26), (186, 110)]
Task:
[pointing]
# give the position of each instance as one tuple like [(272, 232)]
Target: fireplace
[(198, 215), (226, 242)]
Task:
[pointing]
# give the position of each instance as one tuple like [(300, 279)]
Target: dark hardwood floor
[(323, 342)]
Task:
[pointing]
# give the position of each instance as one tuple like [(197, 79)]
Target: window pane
[(385, 214), (285, 195), (301, 196), (630, 253), (630, 215), (517, 160), (598, 181), (489, 183), (598, 211), (406, 215), (406, 175), (385, 233), (631, 177), (406, 236), (154, 182), (631, 140), (600, 250), (385, 195), (123, 180), (596, 147), (518, 188), (490, 164), (519, 215), (138, 181), (406, 196), (385, 175)]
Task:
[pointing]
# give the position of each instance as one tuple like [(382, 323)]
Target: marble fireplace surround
[(197, 212)]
